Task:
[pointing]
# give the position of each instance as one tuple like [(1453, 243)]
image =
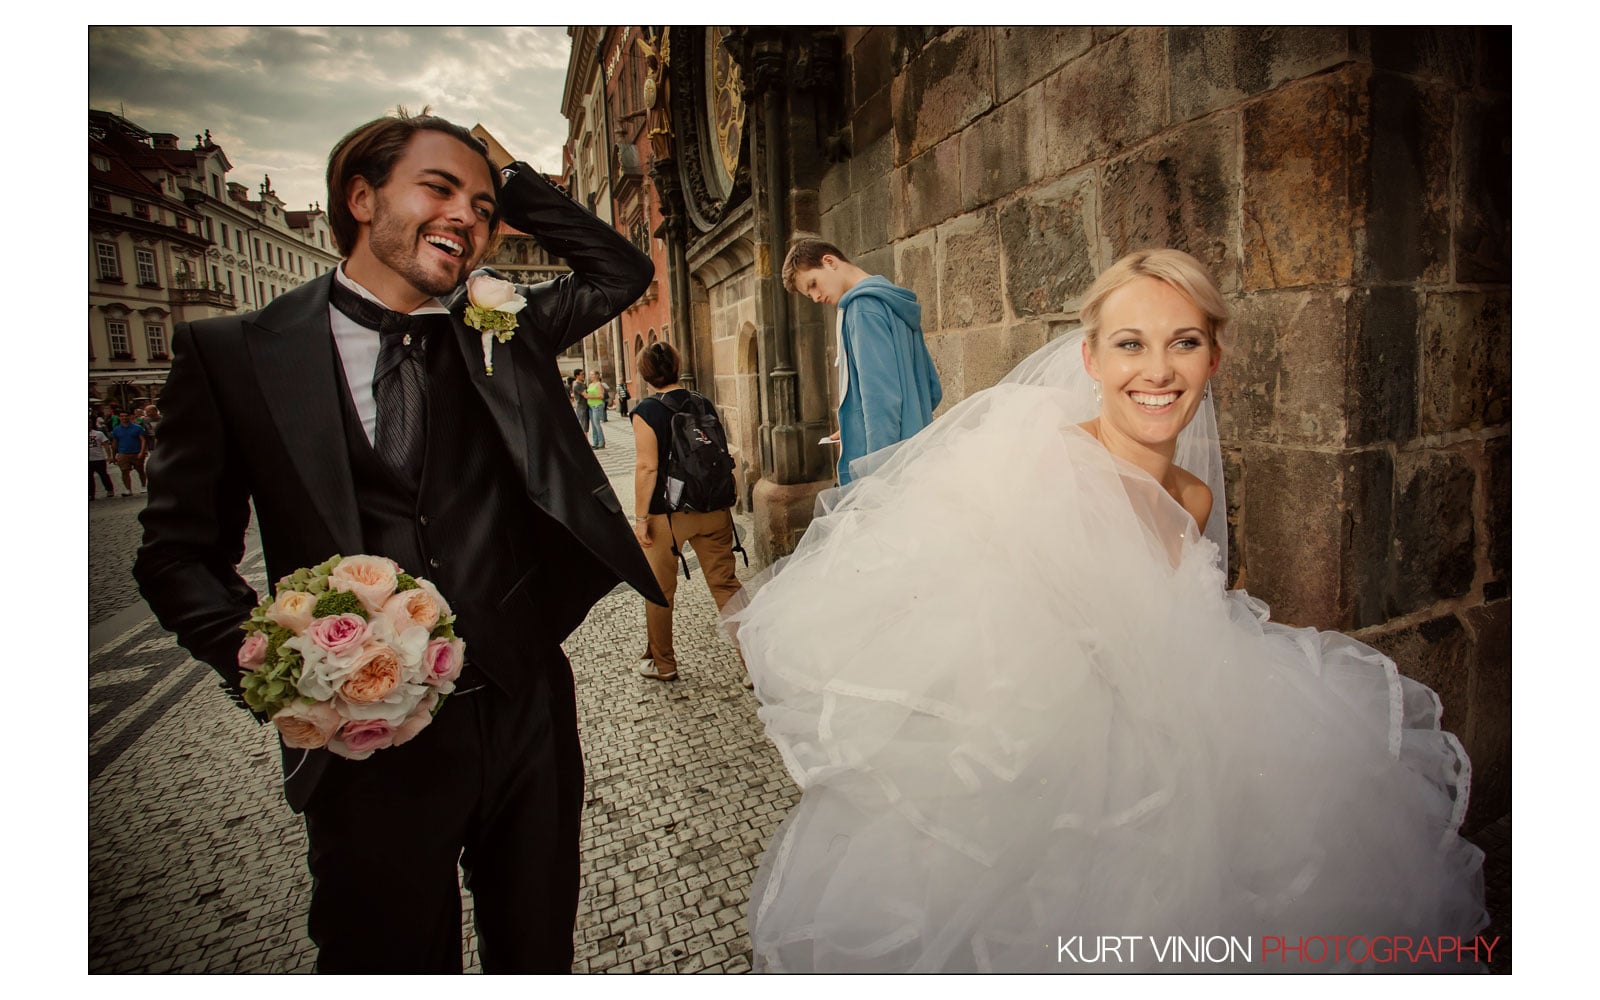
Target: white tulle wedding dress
[(1003, 668)]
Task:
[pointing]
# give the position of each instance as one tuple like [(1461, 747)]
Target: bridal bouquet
[(353, 655)]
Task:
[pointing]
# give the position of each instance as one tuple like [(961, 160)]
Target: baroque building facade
[(607, 158), (1349, 187), (173, 240)]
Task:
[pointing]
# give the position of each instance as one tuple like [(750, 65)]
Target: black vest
[(469, 527)]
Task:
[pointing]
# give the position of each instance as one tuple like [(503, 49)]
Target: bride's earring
[(1208, 389), (1097, 392)]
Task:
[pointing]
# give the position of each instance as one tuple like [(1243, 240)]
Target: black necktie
[(399, 382)]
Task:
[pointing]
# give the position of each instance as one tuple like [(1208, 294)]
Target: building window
[(110, 263), (280, 257), (323, 237), (102, 201), (240, 234), (224, 234), (216, 279), (258, 248), (183, 224), (155, 340), (274, 290), (141, 210), (216, 187), (100, 162), (261, 292), (230, 282), (147, 267), (121, 347)]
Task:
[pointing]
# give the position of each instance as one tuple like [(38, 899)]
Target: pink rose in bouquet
[(292, 609), (253, 651), (444, 658), (413, 609), (339, 635), (375, 674), (358, 738), (307, 725), (370, 578)]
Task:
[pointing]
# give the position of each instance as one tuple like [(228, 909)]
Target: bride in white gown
[(1026, 716)]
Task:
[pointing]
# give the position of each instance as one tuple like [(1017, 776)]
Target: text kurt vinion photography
[(1218, 949)]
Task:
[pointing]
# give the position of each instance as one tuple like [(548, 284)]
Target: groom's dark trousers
[(509, 501)]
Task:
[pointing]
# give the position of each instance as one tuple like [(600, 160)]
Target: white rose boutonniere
[(492, 306)]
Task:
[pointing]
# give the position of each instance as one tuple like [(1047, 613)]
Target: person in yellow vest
[(597, 399)]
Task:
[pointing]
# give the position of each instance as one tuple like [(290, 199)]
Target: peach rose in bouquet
[(371, 578), (414, 608), (292, 609), (374, 674), (307, 724)]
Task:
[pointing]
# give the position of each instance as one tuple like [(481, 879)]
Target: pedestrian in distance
[(99, 455), (150, 420), (673, 507), (888, 386), (400, 445), (576, 389), (595, 399), (132, 445)]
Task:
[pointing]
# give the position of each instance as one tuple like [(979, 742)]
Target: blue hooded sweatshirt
[(892, 386)]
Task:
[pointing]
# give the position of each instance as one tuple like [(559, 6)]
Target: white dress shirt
[(358, 351)]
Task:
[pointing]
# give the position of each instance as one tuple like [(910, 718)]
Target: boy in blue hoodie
[(887, 381)]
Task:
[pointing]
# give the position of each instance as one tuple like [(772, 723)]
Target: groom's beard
[(402, 250)]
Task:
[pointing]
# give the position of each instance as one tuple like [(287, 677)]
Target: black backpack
[(699, 472)]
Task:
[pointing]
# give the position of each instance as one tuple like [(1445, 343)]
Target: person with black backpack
[(684, 493)]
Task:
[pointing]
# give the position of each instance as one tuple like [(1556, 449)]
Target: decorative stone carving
[(708, 184)]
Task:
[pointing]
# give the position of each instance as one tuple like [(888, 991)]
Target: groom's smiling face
[(429, 223)]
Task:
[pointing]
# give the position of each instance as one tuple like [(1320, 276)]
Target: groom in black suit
[(356, 413)]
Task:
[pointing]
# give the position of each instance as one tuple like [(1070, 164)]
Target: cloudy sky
[(277, 98)]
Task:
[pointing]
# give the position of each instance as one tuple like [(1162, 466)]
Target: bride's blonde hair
[(1174, 267)]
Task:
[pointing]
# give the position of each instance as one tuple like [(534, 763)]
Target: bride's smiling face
[(1152, 357)]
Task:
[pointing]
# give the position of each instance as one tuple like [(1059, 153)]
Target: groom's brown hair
[(372, 150)]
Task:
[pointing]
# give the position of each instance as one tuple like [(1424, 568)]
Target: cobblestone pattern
[(196, 864), (114, 535)]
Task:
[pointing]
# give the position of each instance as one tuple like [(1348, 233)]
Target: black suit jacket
[(252, 412)]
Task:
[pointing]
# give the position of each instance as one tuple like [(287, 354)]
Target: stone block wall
[(732, 312), (1350, 190)]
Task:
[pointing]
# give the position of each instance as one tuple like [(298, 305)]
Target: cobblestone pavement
[(196, 864), (113, 539)]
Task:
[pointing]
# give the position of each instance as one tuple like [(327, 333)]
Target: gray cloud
[(277, 99)]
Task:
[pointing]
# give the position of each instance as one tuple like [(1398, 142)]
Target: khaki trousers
[(710, 536)]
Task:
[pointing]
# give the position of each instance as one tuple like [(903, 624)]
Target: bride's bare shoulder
[(1195, 496)]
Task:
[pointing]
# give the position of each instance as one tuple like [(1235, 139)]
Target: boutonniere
[(492, 306)]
